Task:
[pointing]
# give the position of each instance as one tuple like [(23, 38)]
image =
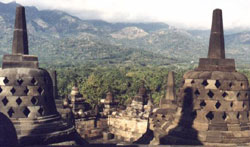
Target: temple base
[(207, 64), (19, 61)]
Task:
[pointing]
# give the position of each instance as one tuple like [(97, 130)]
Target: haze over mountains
[(61, 39)]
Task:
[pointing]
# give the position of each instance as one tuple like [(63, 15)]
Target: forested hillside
[(101, 56)]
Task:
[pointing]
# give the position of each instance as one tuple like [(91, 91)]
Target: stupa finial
[(20, 38), (216, 42)]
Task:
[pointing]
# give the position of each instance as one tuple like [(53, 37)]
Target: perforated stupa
[(26, 93)]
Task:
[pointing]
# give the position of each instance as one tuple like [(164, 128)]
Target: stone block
[(214, 137), (231, 96), (188, 82), (207, 64), (18, 61), (218, 127), (234, 127), (238, 106), (200, 126), (218, 118), (108, 135), (211, 84)]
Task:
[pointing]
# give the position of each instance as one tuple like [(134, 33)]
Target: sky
[(191, 14)]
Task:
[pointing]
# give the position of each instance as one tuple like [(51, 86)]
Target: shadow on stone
[(8, 135), (145, 138), (72, 139), (184, 133)]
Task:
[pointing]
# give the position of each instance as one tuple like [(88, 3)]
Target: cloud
[(182, 13)]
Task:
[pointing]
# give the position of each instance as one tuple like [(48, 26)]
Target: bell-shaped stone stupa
[(213, 103), (26, 93)]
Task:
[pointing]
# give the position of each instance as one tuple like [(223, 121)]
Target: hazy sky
[(180, 13)]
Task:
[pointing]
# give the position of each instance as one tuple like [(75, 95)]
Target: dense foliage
[(123, 81), (95, 81)]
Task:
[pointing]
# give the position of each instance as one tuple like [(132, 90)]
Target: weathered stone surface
[(127, 128), (214, 102), (91, 128), (216, 54), (208, 64), (110, 104), (27, 94), (216, 42), (53, 75), (20, 39), (20, 51), (107, 136), (131, 123), (170, 97)]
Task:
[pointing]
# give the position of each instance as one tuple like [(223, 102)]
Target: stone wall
[(91, 128), (127, 128)]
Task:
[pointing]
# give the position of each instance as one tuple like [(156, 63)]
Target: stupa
[(213, 102), (26, 93), (78, 103), (169, 101), (110, 104)]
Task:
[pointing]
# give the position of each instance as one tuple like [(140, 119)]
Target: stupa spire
[(216, 42), (170, 98), (170, 95), (216, 60), (20, 37)]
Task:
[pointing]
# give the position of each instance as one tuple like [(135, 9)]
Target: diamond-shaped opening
[(18, 101), (13, 90), (203, 103), (194, 114), (26, 91), (5, 80), (34, 100), (40, 90), (1, 89), (197, 93), (10, 112), (231, 104), (26, 111), (204, 83), (210, 94), (238, 115), (192, 82), (238, 94), (224, 94), (241, 84), (243, 105), (217, 105), (5, 101), (230, 84), (20, 81), (210, 115), (224, 116), (217, 83), (40, 111), (33, 81)]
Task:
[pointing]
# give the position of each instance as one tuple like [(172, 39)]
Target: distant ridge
[(71, 40)]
